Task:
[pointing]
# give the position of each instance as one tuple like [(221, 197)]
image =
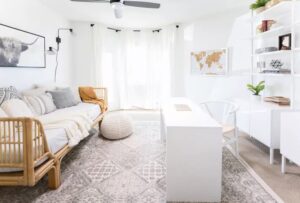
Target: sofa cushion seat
[(93, 110), (57, 138)]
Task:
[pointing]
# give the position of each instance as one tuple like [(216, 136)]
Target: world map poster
[(210, 62)]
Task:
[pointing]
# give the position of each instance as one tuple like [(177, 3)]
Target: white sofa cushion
[(56, 138), (16, 108), (2, 113), (93, 110)]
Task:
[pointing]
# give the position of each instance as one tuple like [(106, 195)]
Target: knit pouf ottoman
[(116, 125)]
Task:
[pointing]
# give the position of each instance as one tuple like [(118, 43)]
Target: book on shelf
[(282, 101)]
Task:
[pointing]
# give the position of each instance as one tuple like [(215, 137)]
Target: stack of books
[(282, 101)]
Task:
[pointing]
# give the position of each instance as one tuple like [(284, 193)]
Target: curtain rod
[(118, 30)]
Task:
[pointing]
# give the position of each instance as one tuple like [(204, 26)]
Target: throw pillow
[(34, 104), (7, 93), (63, 98), (16, 108), (75, 92), (48, 102), (34, 92), (40, 104)]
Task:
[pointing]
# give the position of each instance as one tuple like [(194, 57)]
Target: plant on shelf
[(256, 89), (259, 5)]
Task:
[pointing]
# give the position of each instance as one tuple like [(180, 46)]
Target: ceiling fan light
[(118, 9)]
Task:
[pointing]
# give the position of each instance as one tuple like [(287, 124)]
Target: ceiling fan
[(117, 5)]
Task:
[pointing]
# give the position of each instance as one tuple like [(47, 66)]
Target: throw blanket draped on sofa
[(76, 125), (88, 95)]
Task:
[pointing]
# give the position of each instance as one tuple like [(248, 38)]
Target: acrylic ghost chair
[(224, 112)]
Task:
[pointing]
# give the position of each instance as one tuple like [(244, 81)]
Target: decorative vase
[(273, 3), (256, 98), (259, 10)]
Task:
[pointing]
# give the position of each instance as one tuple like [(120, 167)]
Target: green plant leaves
[(258, 4), (256, 89)]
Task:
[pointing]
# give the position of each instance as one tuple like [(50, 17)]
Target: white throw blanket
[(76, 125)]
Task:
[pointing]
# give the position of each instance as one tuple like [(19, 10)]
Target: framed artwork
[(285, 42), (210, 62), (21, 49)]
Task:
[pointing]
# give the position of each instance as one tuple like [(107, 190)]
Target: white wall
[(33, 16), (82, 54), (214, 32)]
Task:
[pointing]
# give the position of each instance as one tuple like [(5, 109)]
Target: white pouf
[(116, 125)]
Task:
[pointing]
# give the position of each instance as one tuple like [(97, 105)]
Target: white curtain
[(134, 66)]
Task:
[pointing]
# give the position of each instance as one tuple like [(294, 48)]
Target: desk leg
[(271, 156), (162, 128), (283, 164)]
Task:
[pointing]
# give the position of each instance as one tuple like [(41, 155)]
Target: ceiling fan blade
[(141, 4), (92, 1)]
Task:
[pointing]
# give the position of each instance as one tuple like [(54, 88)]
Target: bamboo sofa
[(24, 148)]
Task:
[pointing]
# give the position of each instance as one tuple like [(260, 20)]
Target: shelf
[(277, 10), (259, 105), (273, 74), (274, 31), (274, 53)]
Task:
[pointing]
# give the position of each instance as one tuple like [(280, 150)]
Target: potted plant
[(256, 89), (259, 5)]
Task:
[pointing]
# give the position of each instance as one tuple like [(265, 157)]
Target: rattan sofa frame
[(23, 146)]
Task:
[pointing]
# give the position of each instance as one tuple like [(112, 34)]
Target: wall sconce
[(51, 51), (55, 51)]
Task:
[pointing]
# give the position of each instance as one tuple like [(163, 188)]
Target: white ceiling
[(171, 11)]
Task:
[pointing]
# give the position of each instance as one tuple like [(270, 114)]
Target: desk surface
[(182, 112)]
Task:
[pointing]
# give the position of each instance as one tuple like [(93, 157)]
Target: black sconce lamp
[(54, 51)]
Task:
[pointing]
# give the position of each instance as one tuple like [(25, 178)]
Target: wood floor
[(287, 186)]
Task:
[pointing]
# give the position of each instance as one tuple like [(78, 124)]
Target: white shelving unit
[(284, 10), (290, 137), (274, 53), (265, 119)]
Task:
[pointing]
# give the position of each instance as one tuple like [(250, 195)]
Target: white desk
[(194, 153)]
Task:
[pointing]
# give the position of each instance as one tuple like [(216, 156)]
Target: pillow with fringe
[(7, 93)]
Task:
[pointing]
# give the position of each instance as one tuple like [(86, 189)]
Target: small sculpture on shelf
[(276, 64)]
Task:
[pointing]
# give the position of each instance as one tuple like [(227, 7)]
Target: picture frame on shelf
[(285, 42)]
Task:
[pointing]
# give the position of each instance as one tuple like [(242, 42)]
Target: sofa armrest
[(101, 93), (22, 144)]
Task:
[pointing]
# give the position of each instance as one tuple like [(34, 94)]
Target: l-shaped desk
[(194, 152)]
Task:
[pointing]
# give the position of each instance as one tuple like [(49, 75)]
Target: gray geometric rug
[(131, 170)]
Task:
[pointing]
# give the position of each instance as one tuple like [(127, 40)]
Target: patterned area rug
[(129, 171)]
